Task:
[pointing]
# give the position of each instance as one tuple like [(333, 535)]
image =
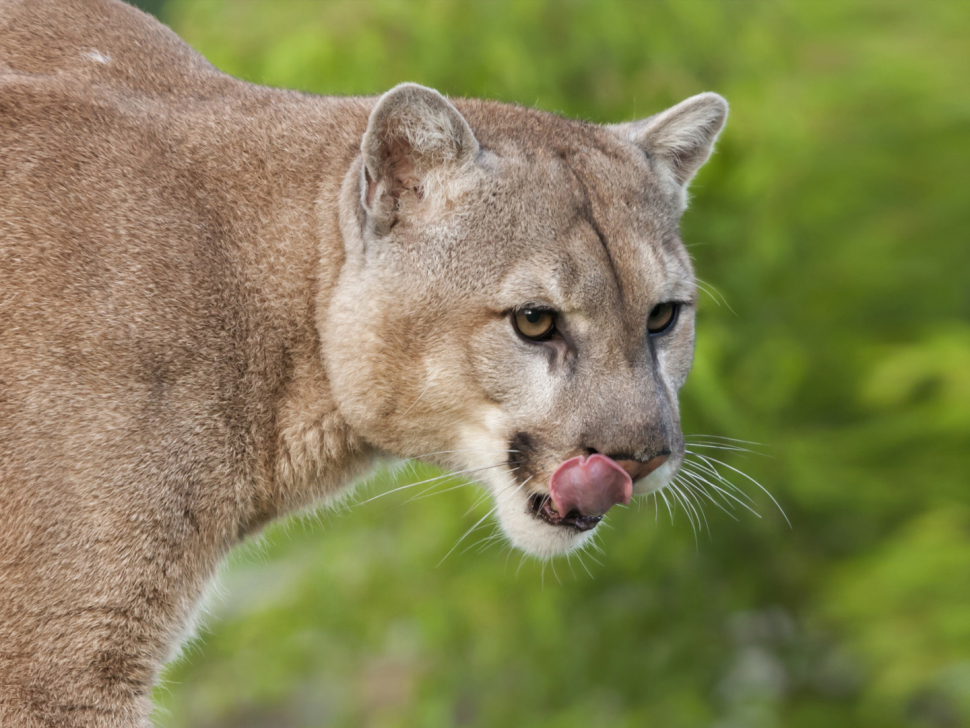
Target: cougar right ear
[(414, 137), (681, 138)]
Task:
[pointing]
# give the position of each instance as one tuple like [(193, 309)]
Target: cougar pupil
[(535, 323), (661, 318)]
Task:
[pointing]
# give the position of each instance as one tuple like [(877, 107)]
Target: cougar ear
[(414, 140), (682, 137)]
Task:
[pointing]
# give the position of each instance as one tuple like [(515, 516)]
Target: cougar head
[(516, 303)]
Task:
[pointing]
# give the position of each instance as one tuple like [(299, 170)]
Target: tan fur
[(219, 301)]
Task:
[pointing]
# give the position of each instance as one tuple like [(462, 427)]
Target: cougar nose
[(638, 469), (590, 485)]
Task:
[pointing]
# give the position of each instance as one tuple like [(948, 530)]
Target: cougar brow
[(585, 213)]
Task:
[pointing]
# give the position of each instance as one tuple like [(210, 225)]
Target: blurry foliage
[(833, 220)]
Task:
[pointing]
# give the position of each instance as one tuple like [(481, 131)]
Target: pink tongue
[(589, 485)]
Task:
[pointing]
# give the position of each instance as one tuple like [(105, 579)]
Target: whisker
[(698, 504), (507, 557), (708, 468), (701, 517), (512, 495), (695, 504), (418, 398), (675, 499), (428, 492), (430, 480), (452, 452), (499, 502), (482, 544), (465, 535), (728, 439), (710, 293), (703, 483), (484, 496), (703, 491), (745, 475), (667, 503), (678, 496), (729, 448), (708, 288)]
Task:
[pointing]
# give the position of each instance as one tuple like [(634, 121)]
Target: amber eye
[(537, 324), (661, 318)]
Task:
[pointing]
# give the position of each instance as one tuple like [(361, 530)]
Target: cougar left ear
[(414, 136), (681, 138)]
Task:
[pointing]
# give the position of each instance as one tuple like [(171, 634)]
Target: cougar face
[(516, 303)]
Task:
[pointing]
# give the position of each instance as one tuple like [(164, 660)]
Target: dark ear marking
[(412, 133), (680, 139)]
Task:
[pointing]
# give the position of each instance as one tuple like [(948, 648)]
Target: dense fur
[(218, 302)]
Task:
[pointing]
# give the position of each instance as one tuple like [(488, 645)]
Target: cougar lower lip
[(541, 508)]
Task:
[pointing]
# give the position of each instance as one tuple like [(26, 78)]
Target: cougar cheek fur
[(220, 303)]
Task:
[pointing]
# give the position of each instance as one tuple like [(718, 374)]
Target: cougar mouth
[(542, 508)]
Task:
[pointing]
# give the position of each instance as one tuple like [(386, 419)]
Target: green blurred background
[(833, 221)]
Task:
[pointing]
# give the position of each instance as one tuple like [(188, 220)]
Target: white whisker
[(428, 492), (494, 509), (706, 467), (679, 497), (443, 476), (666, 503), (418, 398), (465, 535), (745, 475), (727, 439), (698, 505), (703, 491), (711, 291), (452, 452), (729, 448), (704, 483)]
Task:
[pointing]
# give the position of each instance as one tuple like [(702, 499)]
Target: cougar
[(219, 303)]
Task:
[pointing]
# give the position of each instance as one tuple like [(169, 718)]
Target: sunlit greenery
[(832, 229)]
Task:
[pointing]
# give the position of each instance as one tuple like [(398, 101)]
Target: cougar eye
[(661, 318), (537, 324)]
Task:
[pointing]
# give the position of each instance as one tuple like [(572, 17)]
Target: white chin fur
[(524, 531), (658, 479)]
